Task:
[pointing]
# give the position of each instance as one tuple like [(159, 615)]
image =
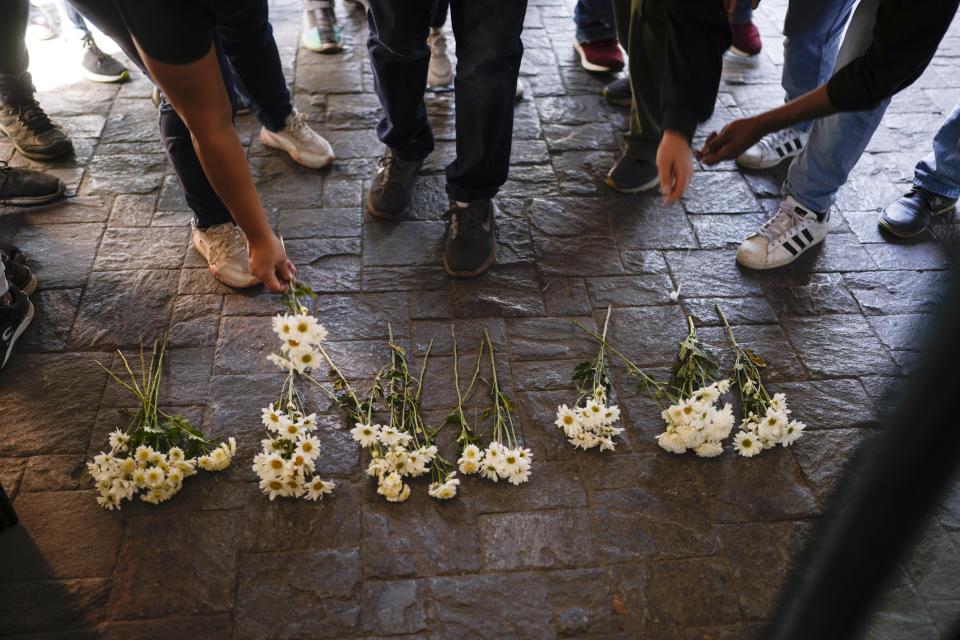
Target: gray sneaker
[(470, 247), (389, 195), (633, 175)]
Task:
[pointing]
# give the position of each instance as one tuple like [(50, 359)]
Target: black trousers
[(15, 82), (489, 50), (247, 52)]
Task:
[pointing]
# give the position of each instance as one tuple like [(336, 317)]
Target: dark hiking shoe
[(32, 132), (25, 187), (633, 175), (470, 246), (18, 275), (389, 195)]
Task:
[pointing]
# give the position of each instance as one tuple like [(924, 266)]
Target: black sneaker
[(389, 195), (909, 215), (13, 253), (32, 133), (14, 320), (98, 66), (618, 92), (470, 246), (18, 274), (633, 174), (25, 187)]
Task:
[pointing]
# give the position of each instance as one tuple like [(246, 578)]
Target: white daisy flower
[(746, 444)]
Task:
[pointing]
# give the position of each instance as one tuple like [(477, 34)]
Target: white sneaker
[(773, 149), (224, 247), (304, 145), (440, 71), (783, 237)]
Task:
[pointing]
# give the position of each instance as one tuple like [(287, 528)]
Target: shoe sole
[(379, 215), (309, 161), (323, 48), (768, 267), (589, 66), (763, 167), (648, 186), (618, 102), (27, 319), (743, 54), (483, 268), (33, 201), (96, 77), (907, 236)]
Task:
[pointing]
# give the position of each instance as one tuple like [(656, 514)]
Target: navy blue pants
[(489, 50)]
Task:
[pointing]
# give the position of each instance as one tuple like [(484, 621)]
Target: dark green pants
[(642, 29)]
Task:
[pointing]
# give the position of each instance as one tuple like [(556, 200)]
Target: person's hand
[(733, 139), (674, 165), (269, 263)]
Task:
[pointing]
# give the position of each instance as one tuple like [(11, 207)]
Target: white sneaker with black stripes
[(783, 237), (773, 149)]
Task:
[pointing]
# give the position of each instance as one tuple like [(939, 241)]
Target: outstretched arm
[(197, 92)]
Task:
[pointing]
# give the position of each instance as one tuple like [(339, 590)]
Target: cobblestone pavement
[(636, 543)]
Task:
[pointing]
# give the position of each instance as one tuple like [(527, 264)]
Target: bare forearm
[(809, 106)]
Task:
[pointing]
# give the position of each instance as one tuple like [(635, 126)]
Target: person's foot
[(224, 247), (632, 174), (440, 71), (305, 146), (25, 187), (781, 240), (600, 55), (746, 39), (321, 32), (909, 215), (97, 66), (618, 92), (773, 149), (389, 195), (16, 314), (17, 274), (32, 133), (470, 246), (40, 26)]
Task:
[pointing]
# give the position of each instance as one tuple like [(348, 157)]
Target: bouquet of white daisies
[(286, 464), (766, 421), (158, 451), (591, 422)]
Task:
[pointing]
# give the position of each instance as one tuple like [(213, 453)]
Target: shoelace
[(225, 243), (779, 225), (465, 222), (297, 124), (90, 43), (391, 166), (32, 115)]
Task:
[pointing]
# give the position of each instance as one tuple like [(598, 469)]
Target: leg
[(594, 20), (247, 38), (489, 50), (72, 24), (939, 172), (812, 30), (646, 28), (15, 82), (836, 142), (400, 57), (743, 13), (440, 14)]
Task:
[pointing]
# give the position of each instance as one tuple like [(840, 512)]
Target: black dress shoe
[(909, 215)]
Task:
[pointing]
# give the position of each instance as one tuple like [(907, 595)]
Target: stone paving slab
[(634, 543)]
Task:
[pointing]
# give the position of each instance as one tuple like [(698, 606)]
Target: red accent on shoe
[(601, 55), (746, 38)]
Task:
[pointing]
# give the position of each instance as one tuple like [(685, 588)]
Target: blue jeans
[(594, 20), (72, 24), (836, 142), (743, 12), (812, 32), (940, 171)]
